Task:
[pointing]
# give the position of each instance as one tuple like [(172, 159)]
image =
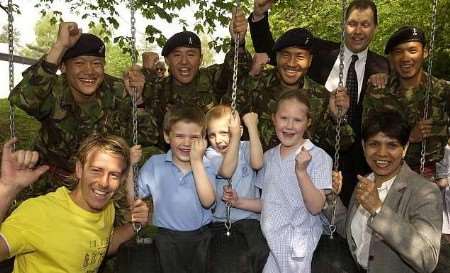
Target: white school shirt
[(332, 82)]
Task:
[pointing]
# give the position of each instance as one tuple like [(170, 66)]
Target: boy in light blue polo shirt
[(238, 160), (181, 184)]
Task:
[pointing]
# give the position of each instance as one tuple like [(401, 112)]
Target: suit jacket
[(325, 55), (407, 230)]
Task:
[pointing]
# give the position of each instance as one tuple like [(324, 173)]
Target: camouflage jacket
[(260, 95), (410, 103), (64, 123)]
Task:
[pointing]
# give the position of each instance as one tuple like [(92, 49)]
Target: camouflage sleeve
[(326, 134), (34, 92), (376, 99), (223, 74), (153, 114)]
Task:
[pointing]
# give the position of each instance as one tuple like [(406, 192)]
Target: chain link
[(228, 213), (12, 110), (136, 226), (337, 144), (429, 82), (234, 112)]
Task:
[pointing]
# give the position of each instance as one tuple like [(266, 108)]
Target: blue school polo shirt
[(176, 205), (243, 181)]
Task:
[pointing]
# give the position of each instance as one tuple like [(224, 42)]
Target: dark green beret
[(181, 39), (404, 35), (87, 45), (298, 37)]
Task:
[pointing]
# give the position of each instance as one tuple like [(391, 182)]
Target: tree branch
[(5, 8)]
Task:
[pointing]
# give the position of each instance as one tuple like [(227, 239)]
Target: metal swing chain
[(136, 226), (429, 81), (337, 144), (234, 112), (12, 111)]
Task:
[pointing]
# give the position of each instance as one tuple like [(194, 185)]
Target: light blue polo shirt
[(176, 205), (243, 181)]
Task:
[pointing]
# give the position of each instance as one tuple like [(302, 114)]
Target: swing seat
[(227, 254), (333, 256), (137, 258)]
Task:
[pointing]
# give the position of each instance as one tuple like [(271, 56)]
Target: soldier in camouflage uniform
[(187, 82), (71, 106), (405, 91), (260, 93)]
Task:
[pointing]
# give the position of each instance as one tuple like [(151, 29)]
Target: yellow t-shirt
[(50, 234)]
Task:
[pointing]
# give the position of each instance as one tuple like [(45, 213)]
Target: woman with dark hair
[(394, 220)]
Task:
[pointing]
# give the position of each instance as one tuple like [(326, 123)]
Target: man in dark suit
[(359, 64)]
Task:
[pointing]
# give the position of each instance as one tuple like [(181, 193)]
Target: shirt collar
[(362, 56), (386, 184), (308, 145), (169, 156)]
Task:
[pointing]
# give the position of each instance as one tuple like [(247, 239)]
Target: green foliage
[(4, 35), (323, 18), (208, 14), (208, 54), (116, 60)]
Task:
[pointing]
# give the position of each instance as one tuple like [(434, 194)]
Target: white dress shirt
[(360, 66), (361, 232)]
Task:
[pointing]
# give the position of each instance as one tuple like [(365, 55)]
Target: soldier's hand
[(149, 60), (258, 62), (68, 35), (135, 154), (238, 25), (230, 195), (251, 120), (18, 169), (367, 194), (336, 178), (134, 82), (198, 148), (339, 100), (235, 125), (378, 80), (421, 130), (260, 7), (139, 212), (302, 160)]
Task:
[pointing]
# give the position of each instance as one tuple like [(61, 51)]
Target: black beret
[(298, 37), (87, 45), (181, 39), (404, 35)]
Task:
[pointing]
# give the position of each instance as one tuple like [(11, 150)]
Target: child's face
[(219, 133), (291, 122), (180, 139)]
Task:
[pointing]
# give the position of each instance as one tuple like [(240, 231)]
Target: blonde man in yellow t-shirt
[(66, 231)]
